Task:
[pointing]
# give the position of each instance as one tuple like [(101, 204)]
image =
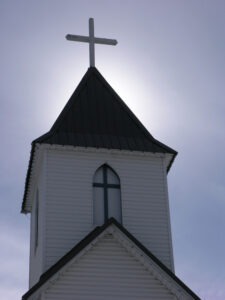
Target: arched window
[(107, 202)]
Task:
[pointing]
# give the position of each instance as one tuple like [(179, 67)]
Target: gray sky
[(168, 67)]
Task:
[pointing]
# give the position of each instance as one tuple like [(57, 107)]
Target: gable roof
[(87, 241), (95, 116)]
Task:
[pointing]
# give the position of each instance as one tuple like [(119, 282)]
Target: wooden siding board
[(107, 271), (69, 207), (37, 257), (131, 245)]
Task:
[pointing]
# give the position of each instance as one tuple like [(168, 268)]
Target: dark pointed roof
[(88, 240), (95, 116)]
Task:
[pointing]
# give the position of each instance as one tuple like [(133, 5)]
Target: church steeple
[(96, 189), (96, 128)]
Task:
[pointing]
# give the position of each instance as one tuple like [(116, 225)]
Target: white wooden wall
[(107, 271), (69, 205), (67, 202), (37, 253)]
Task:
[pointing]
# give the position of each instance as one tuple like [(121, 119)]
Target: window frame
[(106, 186)]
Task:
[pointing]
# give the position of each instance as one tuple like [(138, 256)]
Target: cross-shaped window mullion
[(108, 185), (105, 192), (102, 183)]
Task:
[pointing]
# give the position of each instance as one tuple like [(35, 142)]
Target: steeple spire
[(92, 40)]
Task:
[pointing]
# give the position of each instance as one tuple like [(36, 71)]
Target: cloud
[(14, 256)]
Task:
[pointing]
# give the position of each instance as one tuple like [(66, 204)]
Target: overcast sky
[(168, 67)]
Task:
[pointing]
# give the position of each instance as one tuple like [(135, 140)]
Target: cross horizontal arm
[(105, 41), (86, 39), (91, 40), (78, 38)]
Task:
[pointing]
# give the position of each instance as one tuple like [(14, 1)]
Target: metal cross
[(92, 40)]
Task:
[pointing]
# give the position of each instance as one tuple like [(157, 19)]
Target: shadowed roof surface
[(95, 116)]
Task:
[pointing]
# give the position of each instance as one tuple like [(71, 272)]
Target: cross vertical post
[(92, 40), (91, 43)]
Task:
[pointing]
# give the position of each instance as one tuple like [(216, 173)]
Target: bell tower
[(97, 161), (96, 189)]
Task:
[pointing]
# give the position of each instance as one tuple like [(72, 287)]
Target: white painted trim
[(65, 267), (31, 250), (165, 185), (44, 206), (149, 264), (101, 150)]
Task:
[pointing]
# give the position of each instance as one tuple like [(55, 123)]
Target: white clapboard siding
[(37, 253), (69, 199), (107, 271)]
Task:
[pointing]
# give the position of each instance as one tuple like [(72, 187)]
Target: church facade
[(96, 189)]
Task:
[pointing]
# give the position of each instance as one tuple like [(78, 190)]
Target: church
[(96, 189)]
